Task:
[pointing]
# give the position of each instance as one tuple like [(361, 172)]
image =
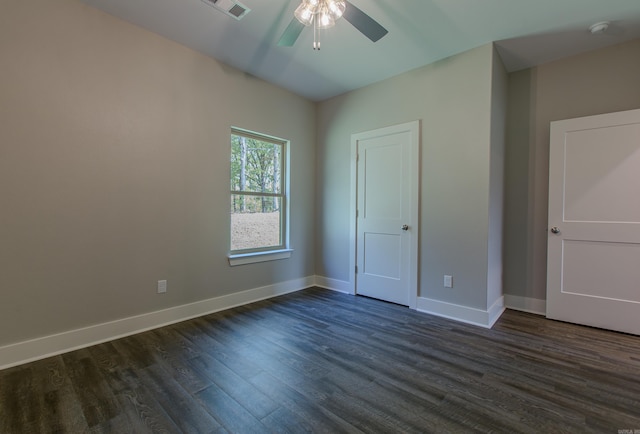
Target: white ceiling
[(528, 33)]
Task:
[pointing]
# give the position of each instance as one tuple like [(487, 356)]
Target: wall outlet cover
[(162, 286), (448, 281)]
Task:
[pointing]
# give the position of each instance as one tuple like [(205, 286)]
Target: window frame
[(283, 250)]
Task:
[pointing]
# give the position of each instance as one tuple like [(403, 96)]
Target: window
[(259, 201)]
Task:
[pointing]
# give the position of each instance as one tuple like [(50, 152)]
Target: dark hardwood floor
[(319, 361)]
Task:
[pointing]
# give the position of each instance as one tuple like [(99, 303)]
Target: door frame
[(413, 128)]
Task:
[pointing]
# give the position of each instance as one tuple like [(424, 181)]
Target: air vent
[(232, 8), (238, 11)]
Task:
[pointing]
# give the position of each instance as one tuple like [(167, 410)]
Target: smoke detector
[(230, 7), (599, 28)]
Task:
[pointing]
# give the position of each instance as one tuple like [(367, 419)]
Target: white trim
[(47, 346), (285, 251), (252, 258), (414, 128), (334, 285), (456, 312), (526, 304), (495, 311)]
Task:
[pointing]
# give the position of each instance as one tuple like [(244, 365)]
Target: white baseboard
[(526, 304), (47, 346), (495, 311), (456, 312), (334, 284)]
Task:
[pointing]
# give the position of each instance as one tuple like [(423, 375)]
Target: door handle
[(555, 230), (405, 227)]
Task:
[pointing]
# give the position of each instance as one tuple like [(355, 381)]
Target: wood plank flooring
[(319, 361)]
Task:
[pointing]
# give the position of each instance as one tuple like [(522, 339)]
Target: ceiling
[(527, 32)]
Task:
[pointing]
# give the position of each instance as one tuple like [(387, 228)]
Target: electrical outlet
[(448, 281), (162, 286)]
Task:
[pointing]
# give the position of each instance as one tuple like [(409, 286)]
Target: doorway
[(385, 213), (593, 266)]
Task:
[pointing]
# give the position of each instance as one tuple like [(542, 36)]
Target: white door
[(593, 275), (387, 213)]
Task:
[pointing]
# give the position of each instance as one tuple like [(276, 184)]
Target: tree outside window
[(258, 197)]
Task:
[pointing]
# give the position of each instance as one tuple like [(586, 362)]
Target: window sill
[(252, 258)]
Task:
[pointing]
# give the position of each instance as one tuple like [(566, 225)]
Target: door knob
[(555, 230), (405, 227)]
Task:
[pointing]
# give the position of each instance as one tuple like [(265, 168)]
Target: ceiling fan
[(322, 14)]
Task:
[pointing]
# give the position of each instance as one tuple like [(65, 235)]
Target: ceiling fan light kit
[(323, 14)]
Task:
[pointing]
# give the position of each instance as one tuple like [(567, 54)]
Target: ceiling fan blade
[(363, 22), (291, 33)]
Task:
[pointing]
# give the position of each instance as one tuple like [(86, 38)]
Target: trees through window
[(258, 196)]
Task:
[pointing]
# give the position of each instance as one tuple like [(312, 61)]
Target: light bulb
[(325, 19), (336, 8), (304, 13)]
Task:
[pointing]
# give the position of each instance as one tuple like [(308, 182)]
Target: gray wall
[(114, 170), (597, 82), (452, 98), (517, 223), (499, 90)]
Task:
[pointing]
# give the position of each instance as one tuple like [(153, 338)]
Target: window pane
[(256, 165), (255, 222)]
